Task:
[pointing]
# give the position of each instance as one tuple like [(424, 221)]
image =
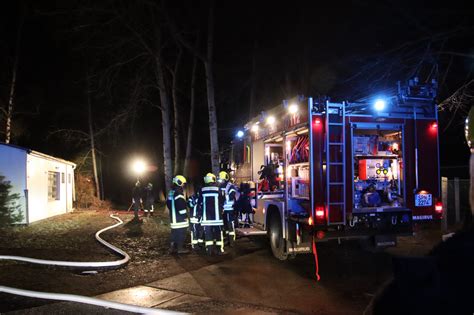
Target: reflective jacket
[(210, 203), (229, 194), (176, 204), (193, 206)]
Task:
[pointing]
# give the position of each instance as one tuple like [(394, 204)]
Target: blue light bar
[(379, 105)]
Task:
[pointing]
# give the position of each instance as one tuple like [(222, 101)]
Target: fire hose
[(83, 265)]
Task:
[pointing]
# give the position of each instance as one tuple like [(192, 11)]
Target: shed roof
[(39, 154)]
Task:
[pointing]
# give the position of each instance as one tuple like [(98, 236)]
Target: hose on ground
[(85, 300), (83, 265), (316, 262)]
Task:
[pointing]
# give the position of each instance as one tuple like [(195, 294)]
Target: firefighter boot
[(183, 250), (172, 249)]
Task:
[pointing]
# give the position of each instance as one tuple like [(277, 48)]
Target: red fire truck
[(324, 170)]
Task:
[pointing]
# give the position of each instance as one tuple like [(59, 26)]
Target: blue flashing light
[(379, 105), (240, 134)]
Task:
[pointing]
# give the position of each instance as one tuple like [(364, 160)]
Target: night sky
[(306, 47)]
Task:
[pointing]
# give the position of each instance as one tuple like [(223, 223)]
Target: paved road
[(259, 284)]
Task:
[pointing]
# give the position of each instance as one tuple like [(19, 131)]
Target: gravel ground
[(71, 237), (350, 273)]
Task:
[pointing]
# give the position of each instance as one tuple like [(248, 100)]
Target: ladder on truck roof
[(335, 163)]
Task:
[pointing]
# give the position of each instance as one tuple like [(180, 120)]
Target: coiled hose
[(83, 265)]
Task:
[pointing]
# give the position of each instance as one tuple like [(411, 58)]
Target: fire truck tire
[(277, 243)]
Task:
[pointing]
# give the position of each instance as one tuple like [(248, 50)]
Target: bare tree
[(208, 66), (92, 137), (176, 114), (11, 98), (192, 105)]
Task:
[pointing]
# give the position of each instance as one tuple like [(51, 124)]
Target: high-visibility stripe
[(212, 223), (179, 197), (204, 212), (216, 209), (200, 240), (221, 242), (233, 230), (182, 211), (179, 225), (194, 242), (194, 220), (208, 243), (232, 190), (173, 209)]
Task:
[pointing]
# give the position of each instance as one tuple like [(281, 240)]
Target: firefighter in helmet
[(136, 199), (210, 203), (197, 233), (179, 223), (228, 194), (149, 206)]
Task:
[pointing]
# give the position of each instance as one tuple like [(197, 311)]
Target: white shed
[(45, 183)]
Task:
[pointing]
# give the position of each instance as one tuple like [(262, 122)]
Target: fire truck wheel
[(277, 243)]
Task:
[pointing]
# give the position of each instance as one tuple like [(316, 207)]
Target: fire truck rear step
[(248, 231)]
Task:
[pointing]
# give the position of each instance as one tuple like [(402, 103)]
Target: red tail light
[(434, 125), (319, 213), (439, 206), (317, 121)]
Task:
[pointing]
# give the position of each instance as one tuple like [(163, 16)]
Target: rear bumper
[(366, 224)]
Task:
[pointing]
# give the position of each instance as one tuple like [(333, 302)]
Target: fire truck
[(321, 170)]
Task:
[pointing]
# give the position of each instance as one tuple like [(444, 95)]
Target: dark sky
[(343, 50)]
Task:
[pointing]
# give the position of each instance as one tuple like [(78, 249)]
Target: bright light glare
[(379, 105), (240, 134), (255, 128), (138, 167), (293, 108), (270, 120)]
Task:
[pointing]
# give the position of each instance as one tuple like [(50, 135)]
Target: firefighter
[(210, 203), (179, 223), (149, 199), (197, 234), (137, 199), (228, 194)]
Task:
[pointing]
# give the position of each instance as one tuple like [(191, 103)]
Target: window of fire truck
[(378, 173)]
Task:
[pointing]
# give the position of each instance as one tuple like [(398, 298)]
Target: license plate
[(423, 200)]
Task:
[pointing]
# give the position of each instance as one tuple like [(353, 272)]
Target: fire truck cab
[(322, 170)]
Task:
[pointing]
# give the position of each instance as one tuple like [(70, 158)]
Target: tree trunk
[(11, 97), (176, 116), (210, 93), (165, 123), (91, 137), (191, 118)]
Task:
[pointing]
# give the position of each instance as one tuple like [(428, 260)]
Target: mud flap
[(385, 241)]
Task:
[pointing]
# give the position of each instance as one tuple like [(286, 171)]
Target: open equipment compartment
[(378, 172)]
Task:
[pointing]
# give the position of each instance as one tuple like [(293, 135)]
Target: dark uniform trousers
[(210, 203), (229, 192)]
